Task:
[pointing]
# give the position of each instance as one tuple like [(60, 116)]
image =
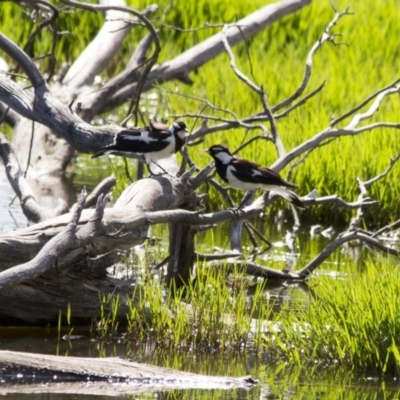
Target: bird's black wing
[(147, 142), (251, 172), (121, 143)]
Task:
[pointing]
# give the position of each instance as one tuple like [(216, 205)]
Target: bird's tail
[(291, 197), (103, 151), (98, 154)]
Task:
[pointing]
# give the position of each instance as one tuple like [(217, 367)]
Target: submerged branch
[(346, 237)]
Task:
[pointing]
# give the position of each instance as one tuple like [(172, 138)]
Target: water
[(12, 216), (277, 381)]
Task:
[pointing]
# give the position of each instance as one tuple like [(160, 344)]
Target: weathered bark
[(33, 211), (53, 144), (181, 250), (181, 66), (59, 266), (104, 374)]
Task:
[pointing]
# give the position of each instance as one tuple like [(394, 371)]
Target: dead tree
[(62, 260)]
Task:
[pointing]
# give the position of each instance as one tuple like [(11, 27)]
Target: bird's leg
[(247, 198), (148, 163)]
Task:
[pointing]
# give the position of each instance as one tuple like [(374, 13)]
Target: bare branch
[(47, 256), (346, 237), (393, 226), (392, 163), (182, 65), (329, 133), (23, 60), (253, 269), (325, 37), (103, 188), (42, 107), (363, 103), (337, 201), (259, 90), (373, 108), (119, 28), (300, 102), (32, 210)]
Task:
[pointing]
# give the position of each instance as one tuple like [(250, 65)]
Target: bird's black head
[(220, 152), (178, 128)]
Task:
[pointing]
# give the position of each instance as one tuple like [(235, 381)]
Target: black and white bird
[(155, 142), (246, 175)]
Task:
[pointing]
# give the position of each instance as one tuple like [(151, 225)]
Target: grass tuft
[(206, 315), (352, 323)]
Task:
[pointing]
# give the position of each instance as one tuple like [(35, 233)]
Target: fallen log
[(61, 263), (38, 373)]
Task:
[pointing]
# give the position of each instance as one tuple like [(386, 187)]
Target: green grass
[(351, 72), (207, 315), (353, 323), (277, 56)]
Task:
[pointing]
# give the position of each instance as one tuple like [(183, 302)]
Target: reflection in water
[(278, 381), (11, 215), (48, 194)]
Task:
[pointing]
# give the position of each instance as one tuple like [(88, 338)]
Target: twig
[(48, 254), (386, 228), (363, 185), (337, 201), (363, 103), (310, 267), (258, 89), (328, 133), (49, 21), (392, 163), (102, 188), (325, 37), (28, 162), (373, 108), (300, 102)]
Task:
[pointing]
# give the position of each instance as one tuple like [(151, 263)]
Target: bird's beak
[(205, 151)]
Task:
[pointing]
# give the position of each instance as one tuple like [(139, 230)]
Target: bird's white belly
[(249, 186), (164, 153), (238, 184)]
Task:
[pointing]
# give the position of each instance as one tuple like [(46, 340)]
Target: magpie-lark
[(246, 175), (155, 142)]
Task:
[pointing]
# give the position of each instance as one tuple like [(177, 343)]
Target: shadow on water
[(277, 380)]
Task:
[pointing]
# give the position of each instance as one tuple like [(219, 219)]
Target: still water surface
[(276, 381)]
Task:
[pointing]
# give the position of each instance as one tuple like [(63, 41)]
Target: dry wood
[(181, 66), (64, 259), (103, 374)]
